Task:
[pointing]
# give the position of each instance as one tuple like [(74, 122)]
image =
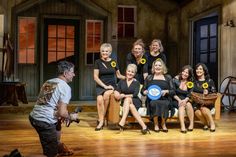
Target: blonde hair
[(132, 66), (159, 43), (139, 42), (164, 68), (106, 45)]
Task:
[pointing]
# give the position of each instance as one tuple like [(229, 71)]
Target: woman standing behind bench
[(138, 58), (204, 85), (105, 72), (160, 107), (183, 85), (127, 90)]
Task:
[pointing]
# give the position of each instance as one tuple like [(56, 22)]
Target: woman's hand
[(122, 96), (205, 92), (109, 87), (145, 92), (182, 102), (164, 92)]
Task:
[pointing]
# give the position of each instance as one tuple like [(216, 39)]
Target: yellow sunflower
[(205, 85), (143, 61), (113, 64), (158, 59), (190, 84)]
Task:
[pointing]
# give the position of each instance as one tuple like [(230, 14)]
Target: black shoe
[(165, 130), (212, 130), (183, 131), (145, 131), (158, 130), (205, 128), (122, 128), (189, 130)]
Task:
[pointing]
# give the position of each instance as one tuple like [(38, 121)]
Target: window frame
[(86, 35), (135, 21)]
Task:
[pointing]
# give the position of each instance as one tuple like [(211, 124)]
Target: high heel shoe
[(183, 131), (145, 131), (122, 128), (100, 128), (189, 130), (212, 130), (205, 128)]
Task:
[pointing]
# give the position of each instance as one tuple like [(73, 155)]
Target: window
[(61, 42), (1, 39), (93, 40), (26, 40), (126, 21)]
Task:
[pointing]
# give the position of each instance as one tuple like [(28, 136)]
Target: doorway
[(206, 44), (61, 42)]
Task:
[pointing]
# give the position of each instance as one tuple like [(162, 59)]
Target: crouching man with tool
[(50, 111)]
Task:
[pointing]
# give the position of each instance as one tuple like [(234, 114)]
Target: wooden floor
[(16, 132)]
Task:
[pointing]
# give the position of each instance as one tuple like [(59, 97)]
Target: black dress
[(107, 74), (161, 106), (133, 89), (199, 89), (141, 67), (151, 59), (182, 94)]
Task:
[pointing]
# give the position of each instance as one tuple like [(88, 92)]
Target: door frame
[(42, 46), (209, 13)]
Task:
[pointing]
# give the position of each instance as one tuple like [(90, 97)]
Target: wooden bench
[(113, 115)]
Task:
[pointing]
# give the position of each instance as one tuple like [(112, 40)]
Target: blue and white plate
[(154, 92)]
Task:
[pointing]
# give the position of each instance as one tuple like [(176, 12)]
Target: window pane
[(96, 56), (213, 57), (31, 40), (97, 43), (213, 29), (61, 55), (22, 41), (51, 56), (61, 31), (89, 28), (98, 28), (203, 45), (61, 45), (69, 54), (203, 31), (120, 14), (89, 44), (120, 30), (203, 58), (213, 43), (23, 25), (129, 14), (52, 44), (70, 31), (22, 56), (129, 30), (52, 30), (70, 45), (30, 56)]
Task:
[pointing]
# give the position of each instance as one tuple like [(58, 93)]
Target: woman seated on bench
[(203, 84), (159, 107), (183, 85), (127, 91)]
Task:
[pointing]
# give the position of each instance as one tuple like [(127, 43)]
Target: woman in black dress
[(203, 84), (127, 90), (156, 51), (183, 85), (138, 58), (105, 72), (160, 107)]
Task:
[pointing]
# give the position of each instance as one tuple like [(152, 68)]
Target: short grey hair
[(132, 66), (106, 45), (63, 66)]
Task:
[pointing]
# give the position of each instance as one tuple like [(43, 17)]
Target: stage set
[(17, 133)]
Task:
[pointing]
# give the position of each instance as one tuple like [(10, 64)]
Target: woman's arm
[(99, 81), (119, 76)]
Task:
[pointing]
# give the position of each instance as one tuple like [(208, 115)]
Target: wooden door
[(206, 45), (61, 42)]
